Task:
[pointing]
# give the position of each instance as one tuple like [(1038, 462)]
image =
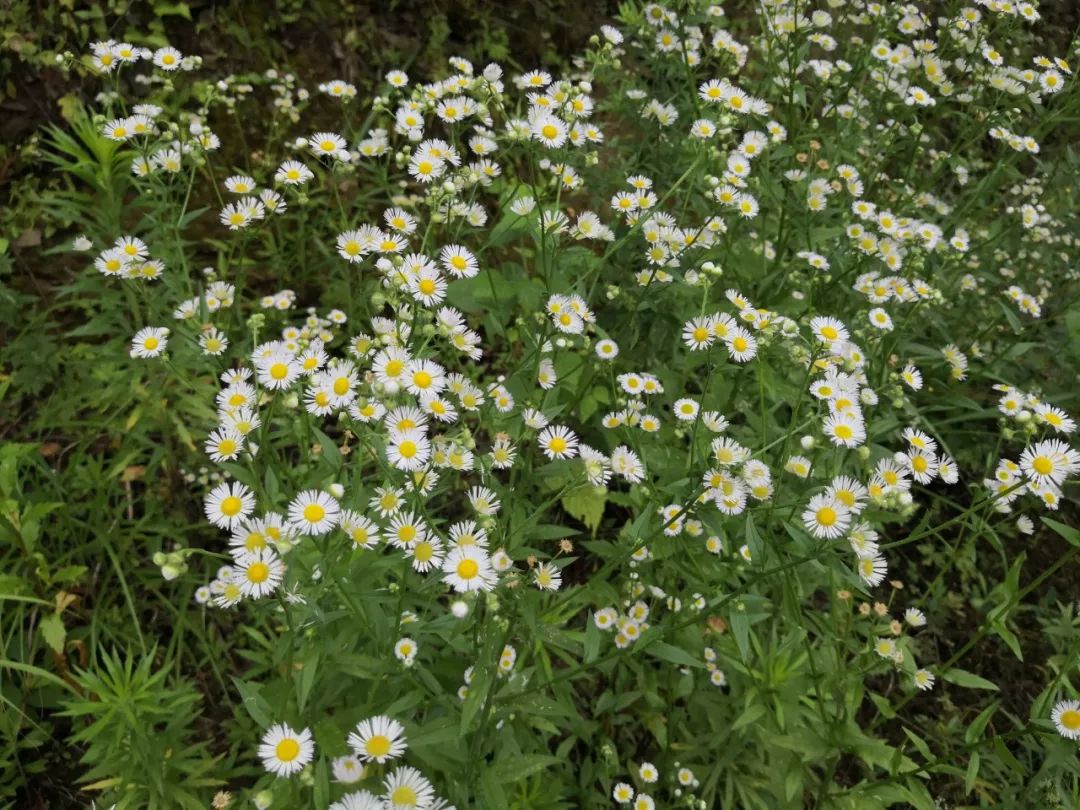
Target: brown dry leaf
[(133, 473), (49, 449), (64, 600), (717, 624), (31, 237)]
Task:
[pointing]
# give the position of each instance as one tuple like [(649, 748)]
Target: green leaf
[(740, 629), (975, 730), (754, 541), (592, 640), (53, 631), (322, 785), (306, 680), (587, 505), (920, 744), (252, 700), (491, 791), (172, 9), (515, 769), (478, 691), (658, 727), (969, 680), (753, 713), (972, 773), (1071, 535), (330, 450), (550, 532), (672, 654)]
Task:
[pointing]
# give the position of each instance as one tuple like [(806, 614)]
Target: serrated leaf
[(53, 631), (587, 505)]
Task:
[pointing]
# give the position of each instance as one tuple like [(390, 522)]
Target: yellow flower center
[(151, 343), (422, 379), (279, 371), (403, 795), (1070, 718), (287, 750), (426, 286), (407, 448), (378, 746), (467, 569), (313, 513), (557, 445), (231, 506), (341, 386), (1043, 465), (259, 572), (844, 432), (394, 368), (826, 516), (829, 332)]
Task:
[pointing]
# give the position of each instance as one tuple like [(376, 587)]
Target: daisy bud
[(337, 490), (807, 442), (459, 609)]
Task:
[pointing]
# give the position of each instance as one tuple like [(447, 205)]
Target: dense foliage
[(687, 426)]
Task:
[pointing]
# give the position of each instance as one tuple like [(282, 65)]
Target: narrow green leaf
[(968, 680)]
